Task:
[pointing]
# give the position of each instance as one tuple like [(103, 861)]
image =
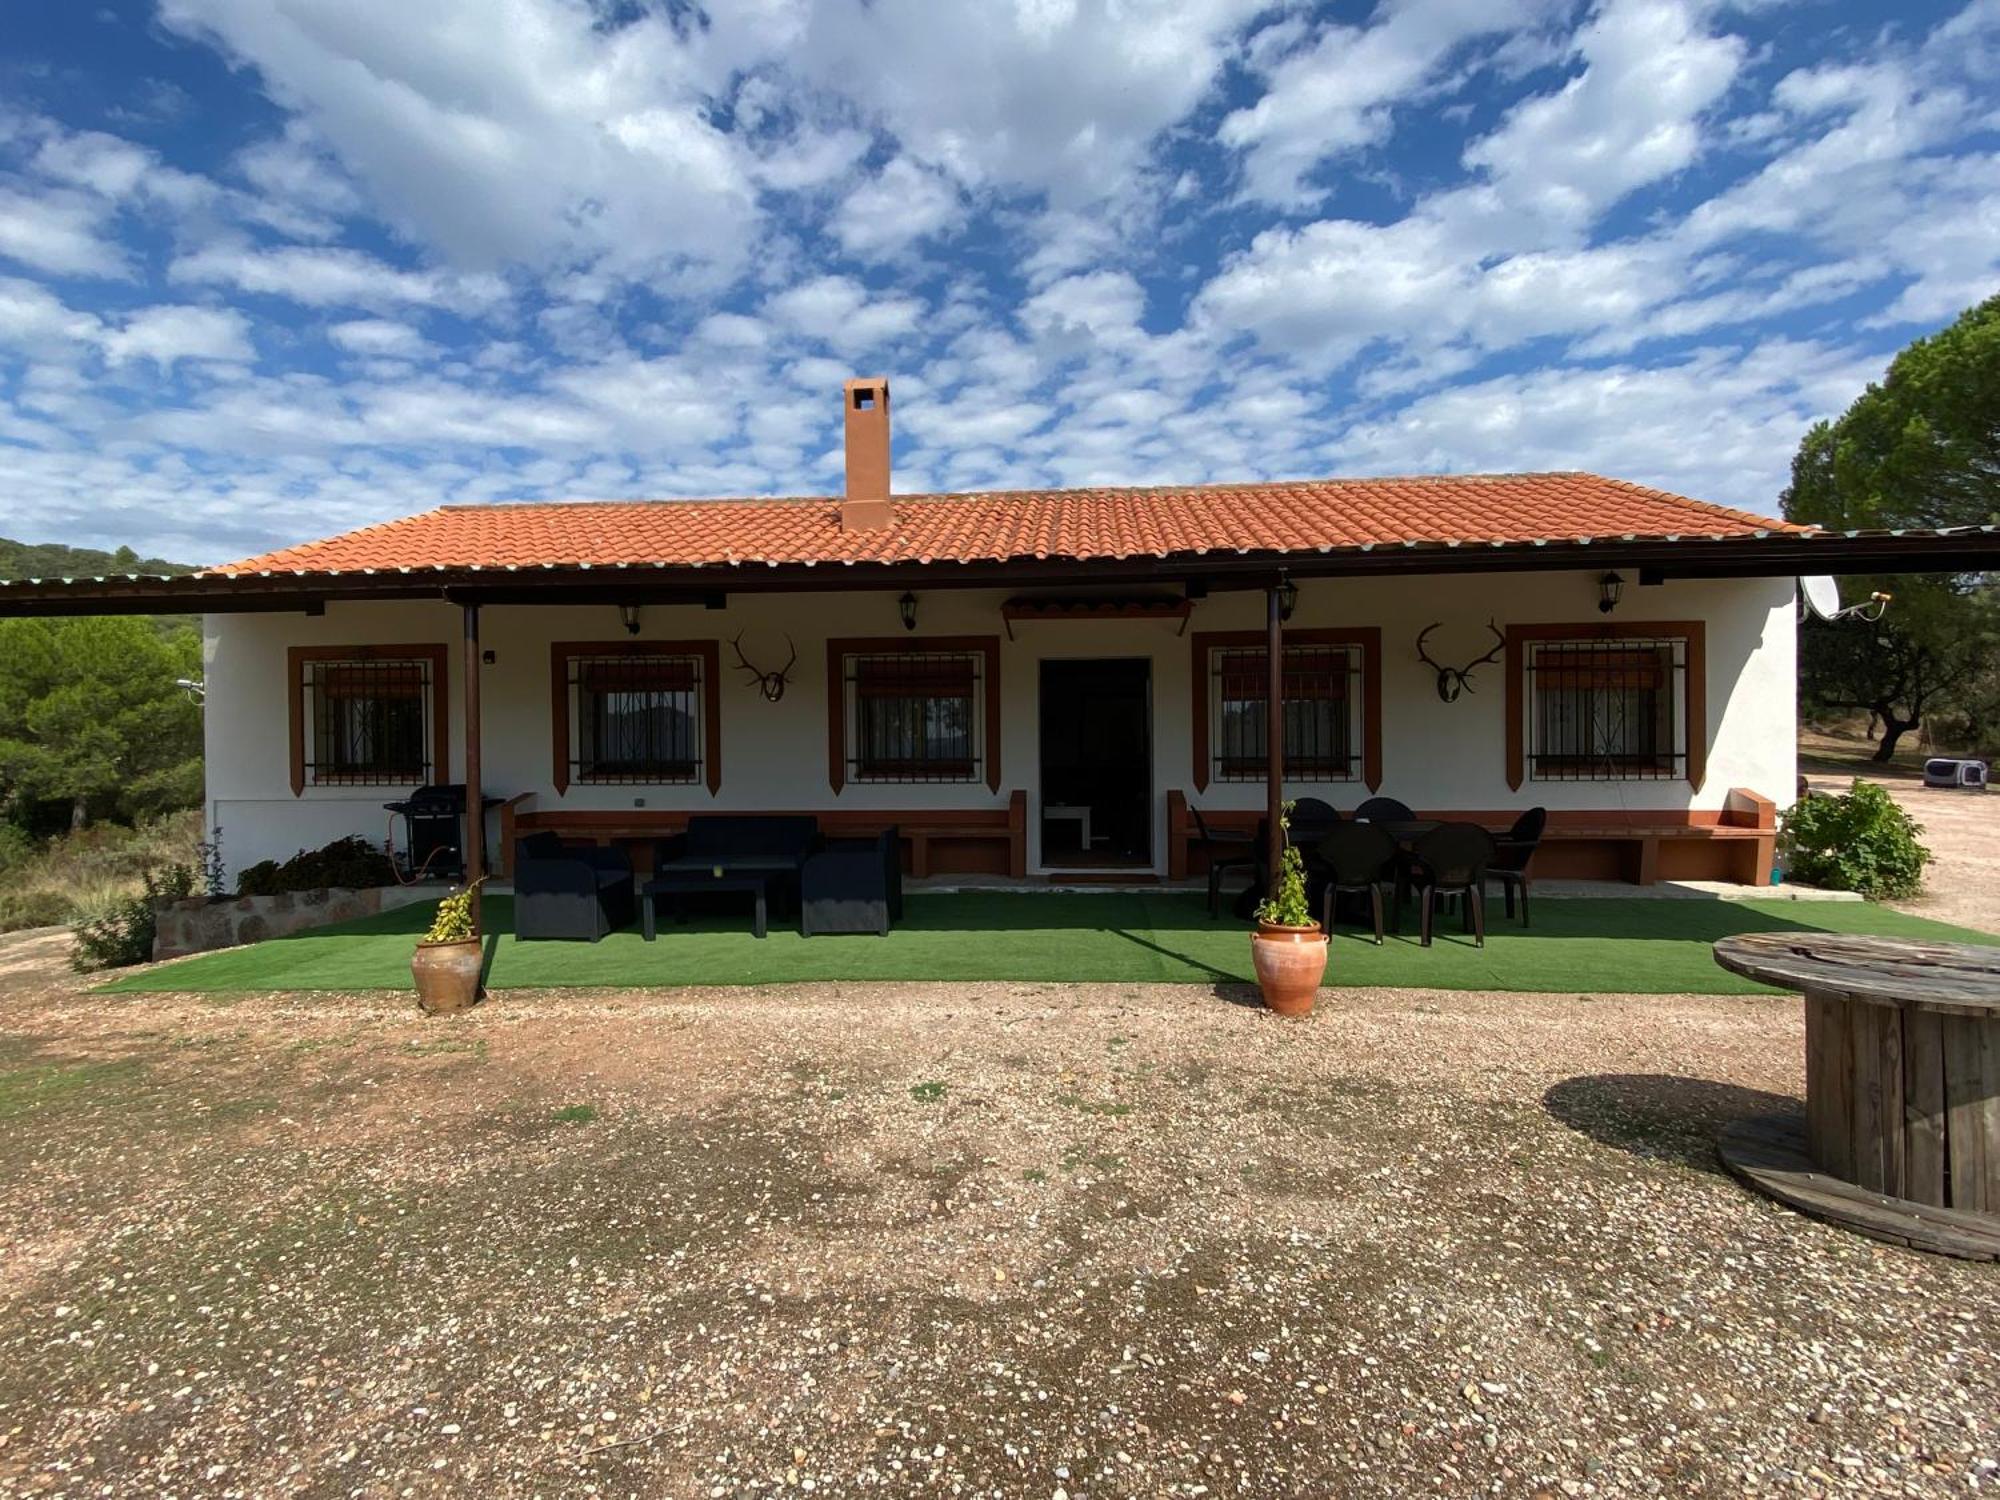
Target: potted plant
[(1288, 949), (447, 961)]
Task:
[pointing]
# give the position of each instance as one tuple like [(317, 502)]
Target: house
[(1044, 684)]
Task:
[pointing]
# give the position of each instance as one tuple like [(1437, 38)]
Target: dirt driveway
[(978, 1240), (1962, 831)]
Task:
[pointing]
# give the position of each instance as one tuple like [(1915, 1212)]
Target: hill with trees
[(93, 721), (53, 560)]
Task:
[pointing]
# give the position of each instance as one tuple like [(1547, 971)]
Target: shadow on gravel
[(1658, 1115), (1246, 995)]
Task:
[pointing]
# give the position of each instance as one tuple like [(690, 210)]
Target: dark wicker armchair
[(852, 885), (576, 892)]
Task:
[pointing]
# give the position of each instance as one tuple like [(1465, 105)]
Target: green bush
[(122, 934), (1858, 842), (352, 863)]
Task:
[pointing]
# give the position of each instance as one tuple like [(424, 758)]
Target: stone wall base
[(197, 925)]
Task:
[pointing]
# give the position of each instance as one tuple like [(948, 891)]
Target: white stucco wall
[(1436, 755)]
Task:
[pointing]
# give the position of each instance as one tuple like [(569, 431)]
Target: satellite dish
[(1822, 596)]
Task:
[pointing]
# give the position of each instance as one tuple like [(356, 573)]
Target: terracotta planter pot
[(1289, 962), (447, 975)]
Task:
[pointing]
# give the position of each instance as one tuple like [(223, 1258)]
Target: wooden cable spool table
[(1901, 1133)]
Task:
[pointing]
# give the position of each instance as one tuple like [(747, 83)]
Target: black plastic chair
[(1228, 851), (1311, 812), (1383, 810), (1515, 849), (1451, 860), (1357, 858)]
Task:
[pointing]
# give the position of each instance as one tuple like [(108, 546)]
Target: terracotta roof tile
[(1316, 515)]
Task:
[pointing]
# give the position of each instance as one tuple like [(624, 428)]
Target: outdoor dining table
[(1900, 1138)]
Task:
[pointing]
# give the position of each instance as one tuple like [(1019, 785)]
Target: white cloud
[(380, 338), (105, 164), (840, 312), (31, 317), (533, 136), (1337, 91), (1630, 118), (332, 277), (1062, 97), (1719, 424), (901, 204), (167, 335), (57, 232)]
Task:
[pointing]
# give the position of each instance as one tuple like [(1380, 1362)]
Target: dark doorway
[(1097, 760)]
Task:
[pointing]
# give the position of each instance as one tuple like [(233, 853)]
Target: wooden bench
[(941, 841), (1736, 843)]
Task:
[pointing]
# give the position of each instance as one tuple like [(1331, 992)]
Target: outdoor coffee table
[(682, 882), (1901, 1133)]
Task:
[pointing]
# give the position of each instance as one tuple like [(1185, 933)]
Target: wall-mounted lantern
[(1609, 587), (629, 613), (1288, 598), (906, 608)]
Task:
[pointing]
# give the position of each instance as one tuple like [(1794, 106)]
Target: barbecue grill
[(434, 829)]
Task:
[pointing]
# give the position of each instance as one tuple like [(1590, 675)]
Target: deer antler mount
[(1451, 681), (770, 684)]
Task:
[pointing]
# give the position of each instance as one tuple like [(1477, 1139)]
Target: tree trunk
[(79, 814), (1893, 729)]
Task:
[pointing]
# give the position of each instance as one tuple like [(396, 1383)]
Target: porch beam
[(475, 801), (1274, 736)]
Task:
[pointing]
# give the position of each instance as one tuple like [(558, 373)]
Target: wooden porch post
[(475, 800), (1274, 737)]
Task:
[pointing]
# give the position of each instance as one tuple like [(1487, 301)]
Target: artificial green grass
[(1637, 945)]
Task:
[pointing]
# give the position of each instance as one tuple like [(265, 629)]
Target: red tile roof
[(1293, 516)]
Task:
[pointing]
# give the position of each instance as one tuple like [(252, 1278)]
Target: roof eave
[(1773, 554)]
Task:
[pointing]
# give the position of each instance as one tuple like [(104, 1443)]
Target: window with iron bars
[(1321, 709), (1610, 710), (369, 721), (915, 716), (635, 720)]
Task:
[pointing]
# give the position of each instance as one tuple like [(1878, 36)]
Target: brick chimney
[(866, 504)]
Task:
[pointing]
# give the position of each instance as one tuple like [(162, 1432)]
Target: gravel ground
[(1003, 1240)]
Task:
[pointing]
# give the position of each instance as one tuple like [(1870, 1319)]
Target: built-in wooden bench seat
[(949, 841), (1735, 843)]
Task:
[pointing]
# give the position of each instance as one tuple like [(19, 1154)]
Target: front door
[(1097, 764)]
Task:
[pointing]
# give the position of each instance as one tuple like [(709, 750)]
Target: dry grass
[(974, 1239), (79, 875)]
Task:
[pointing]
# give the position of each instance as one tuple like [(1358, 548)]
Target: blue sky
[(273, 268)]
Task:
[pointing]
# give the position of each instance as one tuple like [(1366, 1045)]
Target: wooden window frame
[(1694, 687), (839, 649), (710, 655), (434, 652), (1367, 638)]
